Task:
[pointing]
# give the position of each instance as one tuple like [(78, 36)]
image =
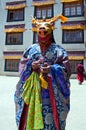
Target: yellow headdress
[(50, 22)]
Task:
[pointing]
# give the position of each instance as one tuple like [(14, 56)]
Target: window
[(15, 15), (75, 9), (35, 37), (40, 12), (73, 36), (12, 65), (44, 11), (73, 64), (14, 38)]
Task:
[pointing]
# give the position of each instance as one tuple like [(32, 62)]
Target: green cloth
[(32, 97)]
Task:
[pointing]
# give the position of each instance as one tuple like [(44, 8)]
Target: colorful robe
[(60, 72), (80, 73)]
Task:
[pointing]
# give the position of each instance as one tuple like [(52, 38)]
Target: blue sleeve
[(62, 59), (59, 78)]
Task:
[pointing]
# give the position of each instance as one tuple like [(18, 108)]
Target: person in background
[(80, 73), (42, 95)]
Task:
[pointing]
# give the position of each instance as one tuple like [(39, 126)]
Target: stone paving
[(76, 118)]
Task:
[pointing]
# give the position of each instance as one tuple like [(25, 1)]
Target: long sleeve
[(62, 59)]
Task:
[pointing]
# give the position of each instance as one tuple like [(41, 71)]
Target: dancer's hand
[(36, 65), (45, 69)]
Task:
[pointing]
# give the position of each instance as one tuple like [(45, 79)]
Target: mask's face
[(43, 29)]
